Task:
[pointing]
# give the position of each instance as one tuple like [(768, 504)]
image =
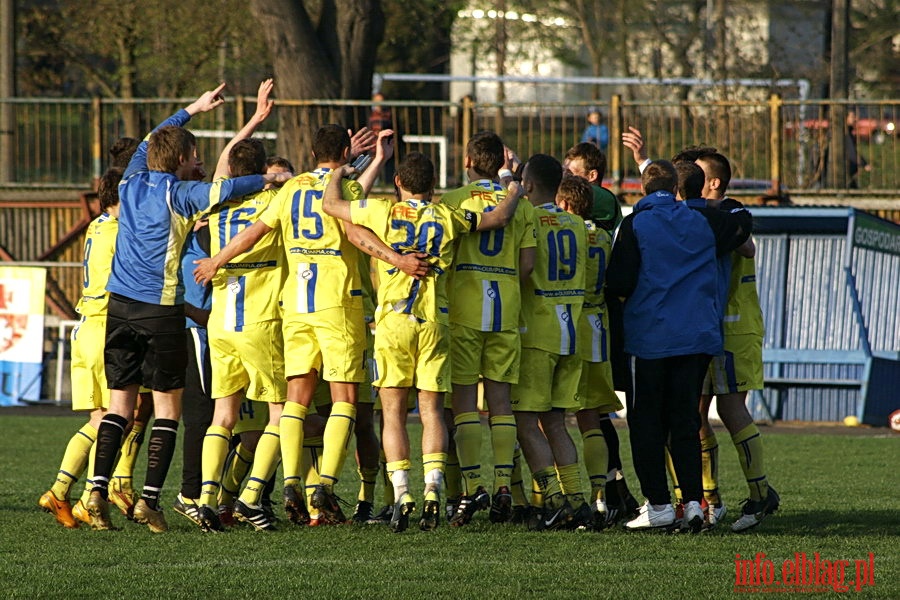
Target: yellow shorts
[(411, 354), (89, 391), (330, 341), (251, 360), (595, 388), (546, 381), (494, 355), (739, 369), (252, 416)]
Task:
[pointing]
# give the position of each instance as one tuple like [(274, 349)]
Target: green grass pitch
[(839, 499)]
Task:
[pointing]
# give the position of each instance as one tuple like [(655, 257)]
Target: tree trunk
[(328, 59)]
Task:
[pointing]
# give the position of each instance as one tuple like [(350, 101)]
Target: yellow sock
[(546, 487), (433, 466), (387, 492), (709, 453), (216, 444), (89, 474), (596, 459), (131, 447), (338, 431), (310, 467), (367, 479), (452, 475), (750, 454), (74, 461), (468, 449), (291, 427), (516, 481), (503, 441), (265, 459), (670, 467), (237, 465), (570, 483)]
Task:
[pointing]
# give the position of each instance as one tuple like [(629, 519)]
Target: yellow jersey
[(552, 297), (593, 328), (743, 314), (485, 287), (246, 290), (99, 247), (415, 226), (323, 269)]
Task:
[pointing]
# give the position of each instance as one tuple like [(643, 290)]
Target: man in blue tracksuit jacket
[(664, 264), (145, 321)]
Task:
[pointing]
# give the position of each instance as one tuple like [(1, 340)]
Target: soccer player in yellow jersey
[(412, 336), (596, 396), (737, 371), (322, 317), (89, 390), (552, 301), (246, 348), (485, 292)]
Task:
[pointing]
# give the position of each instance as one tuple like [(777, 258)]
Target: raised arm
[(207, 267), (333, 202), (384, 150), (501, 215), (263, 110), (635, 141), (206, 102)]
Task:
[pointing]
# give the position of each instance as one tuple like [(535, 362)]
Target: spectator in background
[(596, 132), (855, 160), (380, 118)]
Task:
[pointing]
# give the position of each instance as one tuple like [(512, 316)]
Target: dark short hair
[(280, 161), (690, 179), (416, 173), (108, 187), (544, 172), (692, 153), (591, 156), (718, 167), (577, 193), (247, 157), (329, 143), (122, 150), (168, 146), (487, 153), (659, 176)]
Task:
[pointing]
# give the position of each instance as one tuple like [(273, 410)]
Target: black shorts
[(144, 345)]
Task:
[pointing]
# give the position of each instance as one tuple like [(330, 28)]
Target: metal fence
[(63, 142)]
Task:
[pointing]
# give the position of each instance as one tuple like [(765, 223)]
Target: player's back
[(99, 248), (594, 325), (247, 289), (323, 270), (415, 226), (485, 274), (552, 297)]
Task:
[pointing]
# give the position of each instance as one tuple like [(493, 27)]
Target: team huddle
[(276, 316)]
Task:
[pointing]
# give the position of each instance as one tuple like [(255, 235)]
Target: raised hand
[(263, 103), (207, 101), (362, 141)]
